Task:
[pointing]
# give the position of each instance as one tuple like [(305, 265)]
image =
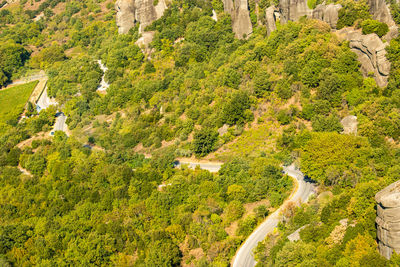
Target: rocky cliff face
[(130, 12), (388, 219), (293, 10), (380, 11), (239, 11), (328, 13), (371, 53)]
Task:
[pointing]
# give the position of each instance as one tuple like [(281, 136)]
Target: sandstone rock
[(388, 214), (384, 197), (239, 11), (295, 236), (142, 11), (328, 13), (395, 226), (371, 53), (380, 11), (349, 124), (388, 219), (144, 41), (393, 33), (389, 237), (270, 19), (385, 250), (223, 130), (125, 15), (293, 10)]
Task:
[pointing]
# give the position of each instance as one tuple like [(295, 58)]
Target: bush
[(352, 11), (373, 26)]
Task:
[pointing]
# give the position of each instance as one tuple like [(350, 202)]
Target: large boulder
[(349, 124), (239, 11), (371, 53), (144, 12), (328, 13), (388, 219)]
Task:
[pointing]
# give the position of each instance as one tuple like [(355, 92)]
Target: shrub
[(352, 11), (373, 26)]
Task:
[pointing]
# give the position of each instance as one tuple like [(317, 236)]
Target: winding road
[(244, 256)]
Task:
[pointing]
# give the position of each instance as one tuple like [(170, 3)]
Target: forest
[(107, 193)]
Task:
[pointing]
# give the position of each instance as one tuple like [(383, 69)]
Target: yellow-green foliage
[(13, 100), (251, 143)]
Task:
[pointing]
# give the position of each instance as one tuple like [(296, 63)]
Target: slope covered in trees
[(94, 199)]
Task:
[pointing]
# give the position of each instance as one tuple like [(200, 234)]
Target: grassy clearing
[(13, 100)]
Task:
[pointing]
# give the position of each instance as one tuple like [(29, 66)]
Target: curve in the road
[(244, 256)]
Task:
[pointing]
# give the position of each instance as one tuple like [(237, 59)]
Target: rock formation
[(293, 10), (144, 12), (239, 11), (328, 13), (371, 53), (271, 16), (349, 124), (380, 11), (125, 15), (388, 219)]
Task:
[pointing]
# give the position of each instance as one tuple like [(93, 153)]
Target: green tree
[(204, 141), (233, 111)]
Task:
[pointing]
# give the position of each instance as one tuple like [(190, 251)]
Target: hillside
[(255, 85)]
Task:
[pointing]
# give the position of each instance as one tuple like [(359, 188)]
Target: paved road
[(210, 166), (60, 123), (45, 101), (244, 256)]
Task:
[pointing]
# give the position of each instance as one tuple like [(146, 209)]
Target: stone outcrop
[(328, 13), (380, 11), (293, 10), (349, 124), (130, 12), (388, 219), (271, 16), (239, 11), (371, 53), (125, 15)]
